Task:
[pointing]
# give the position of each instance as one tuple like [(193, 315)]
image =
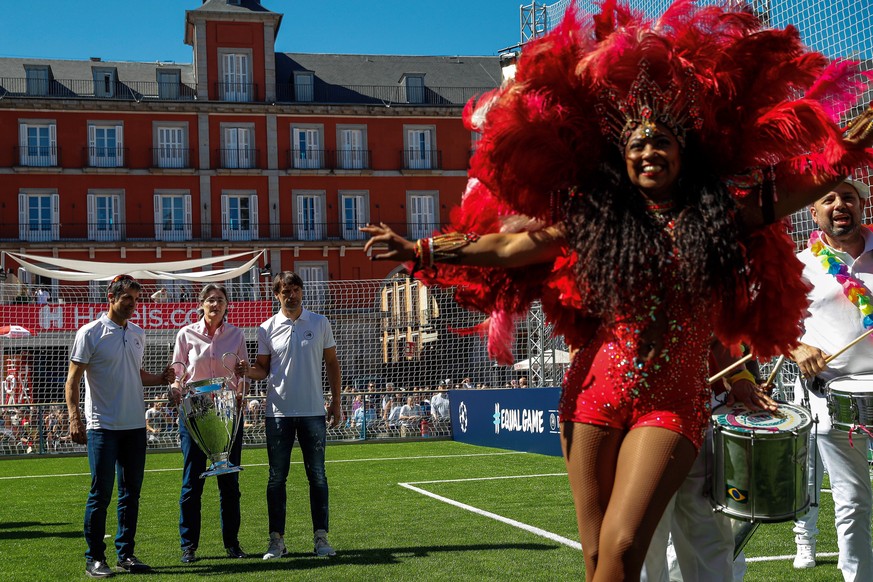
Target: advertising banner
[(520, 419), (54, 317)]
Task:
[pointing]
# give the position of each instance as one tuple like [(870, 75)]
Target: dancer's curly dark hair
[(624, 250)]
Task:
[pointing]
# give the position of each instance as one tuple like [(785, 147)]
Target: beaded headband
[(647, 104)]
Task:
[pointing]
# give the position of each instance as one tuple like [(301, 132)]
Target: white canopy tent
[(561, 358), (73, 270)]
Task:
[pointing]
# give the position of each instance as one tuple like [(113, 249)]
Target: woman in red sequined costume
[(642, 252)]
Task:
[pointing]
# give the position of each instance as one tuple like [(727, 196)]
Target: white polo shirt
[(113, 385), (296, 350), (833, 319)]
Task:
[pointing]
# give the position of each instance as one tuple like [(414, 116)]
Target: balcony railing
[(91, 89), (353, 159), (395, 95), (307, 159), (239, 158), (104, 156), (421, 159), (236, 92), (178, 231), (38, 156), (171, 157)]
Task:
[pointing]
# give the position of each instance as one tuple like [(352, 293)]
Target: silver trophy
[(212, 416)]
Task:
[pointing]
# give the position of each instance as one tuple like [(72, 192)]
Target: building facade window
[(239, 216), (352, 151), (172, 216), (421, 211), (105, 215), (314, 275), (38, 216), (169, 84), (414, 87), (420, 150), (37, 80), (304, 86), (105, 146), (236, 75), (104, 81), (38, 143), (354, 207), (237, 151), (309, 210), (306, 152), (171, 149)]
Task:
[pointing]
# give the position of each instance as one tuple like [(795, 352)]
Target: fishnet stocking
[(621, 483)]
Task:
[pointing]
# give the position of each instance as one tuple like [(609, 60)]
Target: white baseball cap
[(862, 188)]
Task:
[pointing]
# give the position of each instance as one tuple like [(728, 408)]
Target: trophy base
[(220, 468)]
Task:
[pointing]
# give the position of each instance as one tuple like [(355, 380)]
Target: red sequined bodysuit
[(607, 386)]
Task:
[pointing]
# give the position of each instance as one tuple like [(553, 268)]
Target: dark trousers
[(114, 454), (311, 431), (194, 462)]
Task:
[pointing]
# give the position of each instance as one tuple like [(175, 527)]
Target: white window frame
[(236, 75), (306, 149), (422, 210), (419, 143), (109, 230), (351, 147), (170, 153), (171, 230), (41, 157), (237, 150), (309, 217), (105, 156), (304, 86), (232, 226), (47, 232), (315, 276), (356, 202)]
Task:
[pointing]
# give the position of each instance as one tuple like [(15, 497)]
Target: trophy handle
[(242, 398), (184, 375)]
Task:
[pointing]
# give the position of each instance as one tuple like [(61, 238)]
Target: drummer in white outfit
[(833, 322)]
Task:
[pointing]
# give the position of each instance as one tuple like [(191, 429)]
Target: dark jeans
[(194, 462), (114, 454), (311, 432)]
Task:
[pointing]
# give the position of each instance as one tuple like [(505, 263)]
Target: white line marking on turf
[(528, 528), (419, 457), (791, 557)]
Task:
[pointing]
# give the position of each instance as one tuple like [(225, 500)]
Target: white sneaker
[(277, 546), (805, 557), (322, 547)]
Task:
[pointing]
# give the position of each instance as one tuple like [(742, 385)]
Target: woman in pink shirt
[(200, 346)]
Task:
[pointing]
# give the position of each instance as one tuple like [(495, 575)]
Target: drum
[(850, 401), (760, 467)]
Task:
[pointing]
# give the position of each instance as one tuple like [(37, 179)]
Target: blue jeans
[(194, 462), (311, 431), (114, 454)]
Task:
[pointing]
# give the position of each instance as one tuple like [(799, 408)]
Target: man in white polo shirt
[(108, 353), (291, 348), (834, 321)]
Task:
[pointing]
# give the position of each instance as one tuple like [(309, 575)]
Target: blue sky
[(150, 30)]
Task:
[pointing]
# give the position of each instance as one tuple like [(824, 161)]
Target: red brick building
[(246, 148)]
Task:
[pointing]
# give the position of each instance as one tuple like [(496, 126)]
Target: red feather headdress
[(755, 98)]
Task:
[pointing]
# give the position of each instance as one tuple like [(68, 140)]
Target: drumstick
[(848, 345), (727, 370), (772, 377)]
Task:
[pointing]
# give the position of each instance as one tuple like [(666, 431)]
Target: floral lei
[(852, 287)]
